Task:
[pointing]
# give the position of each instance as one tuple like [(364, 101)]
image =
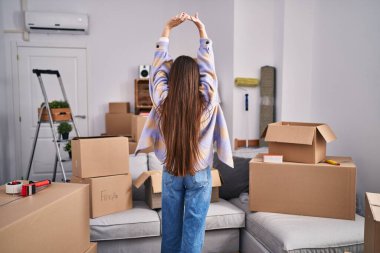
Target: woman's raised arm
[(158, 85), (205, 58)]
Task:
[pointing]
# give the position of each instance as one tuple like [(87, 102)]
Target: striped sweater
[(213, 125)]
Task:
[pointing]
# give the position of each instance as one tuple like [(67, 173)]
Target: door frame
[(16, 91)]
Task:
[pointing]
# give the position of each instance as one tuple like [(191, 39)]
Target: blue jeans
[(185, 202)]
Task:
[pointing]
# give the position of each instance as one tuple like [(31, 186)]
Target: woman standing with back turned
[(185, 121)]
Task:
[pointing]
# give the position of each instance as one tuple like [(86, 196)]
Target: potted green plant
[(67, 148), (64, 129), (59, 109)]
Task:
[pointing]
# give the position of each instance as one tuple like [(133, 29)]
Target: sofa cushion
[(140, 221), (295, 233), (222, 215), (153, 162), (235, 180), (137, 165)]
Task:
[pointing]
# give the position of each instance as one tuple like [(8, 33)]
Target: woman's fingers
[(195, 18), (178, 19), (197, 21), (184, 16)]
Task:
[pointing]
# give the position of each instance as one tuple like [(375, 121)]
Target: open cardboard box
[(108, 194), (153, 186), (321, 190), (372, 223), (55, 219), (100, 156), (298, 142)]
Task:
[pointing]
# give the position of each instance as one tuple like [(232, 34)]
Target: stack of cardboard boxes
[(120, 122), (118, 119), (303, 184), (46, 221), (103, 164)]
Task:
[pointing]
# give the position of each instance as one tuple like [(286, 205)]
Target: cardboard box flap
[(290, 134), (374, 202), (264, 133), (326, 133), (141, 179), (155, 175), (156, 181), (216, 181)]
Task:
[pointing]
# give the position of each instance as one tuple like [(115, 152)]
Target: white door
[(71, 64)]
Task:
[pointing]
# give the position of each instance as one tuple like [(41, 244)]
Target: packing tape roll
[(13, 187)]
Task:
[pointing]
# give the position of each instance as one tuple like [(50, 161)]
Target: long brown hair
[(180, 117)]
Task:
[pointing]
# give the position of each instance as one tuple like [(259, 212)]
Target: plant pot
[(65, 136), (70, 154)]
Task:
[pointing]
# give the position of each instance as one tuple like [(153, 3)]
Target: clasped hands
[(182, 17)]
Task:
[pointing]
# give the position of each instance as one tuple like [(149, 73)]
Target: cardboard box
[(138, 123), (372, 223), (109, 194), (116, 107), (216, 184), (55, 219), (321, 190), (99, 156), (93, 248), (153, 187), (298, 142), (119, 123)]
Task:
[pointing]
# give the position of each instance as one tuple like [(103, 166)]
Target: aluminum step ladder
[(57, 140)]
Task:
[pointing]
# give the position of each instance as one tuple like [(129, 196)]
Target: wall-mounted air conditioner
[(49, 22)]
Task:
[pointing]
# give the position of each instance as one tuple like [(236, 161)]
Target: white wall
[(279, 14), (4, 140), (330, 73), (346, 82), (254, 47), (296, 60), (122, 36)]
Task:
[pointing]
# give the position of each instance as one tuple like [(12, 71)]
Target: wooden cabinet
[(143, 103)]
